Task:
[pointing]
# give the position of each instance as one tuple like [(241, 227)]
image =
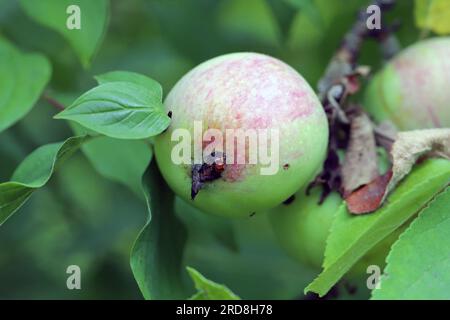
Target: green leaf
[(209, 290), (123, 161), (252, 19), (22, 78), (33, 173), (122, 110), (93, 21), (433, 15), (353, 236), (156, 257), (419, 262), (309, 8), (201, 224), (136, 78)]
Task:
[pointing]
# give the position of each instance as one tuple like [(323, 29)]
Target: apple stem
[(53, 102)]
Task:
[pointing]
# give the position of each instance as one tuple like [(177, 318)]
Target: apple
[(302, 227), (412, 90), (250, 93)]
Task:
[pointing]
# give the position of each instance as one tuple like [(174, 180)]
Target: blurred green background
[(82, 218)]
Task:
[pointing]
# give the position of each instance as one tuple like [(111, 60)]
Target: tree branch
[(341, 80), (55, 103)]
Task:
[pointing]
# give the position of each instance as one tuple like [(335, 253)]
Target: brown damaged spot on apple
[(207, 172)]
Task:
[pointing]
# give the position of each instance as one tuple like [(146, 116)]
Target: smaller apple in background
[(413, 89), (246, 91), (302, 227)]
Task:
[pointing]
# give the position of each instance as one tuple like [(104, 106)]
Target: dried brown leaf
[(360, 165), (369, 197), (407, 149), (411, 145), (386, 134)]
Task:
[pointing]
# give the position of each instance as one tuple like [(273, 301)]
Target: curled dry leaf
[(411, 145), (385, 134), (360, 165), (407, 149)]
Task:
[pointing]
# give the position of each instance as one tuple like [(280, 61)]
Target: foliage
[(123, 106), (95, 17), (423, 247), (23, 78), (345, 248), (91, 204), (33, 173), (433, 15), (157, 253), (208, 290)]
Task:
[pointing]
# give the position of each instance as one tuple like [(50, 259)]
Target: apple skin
[(412, 90), (246, 91), (302, 226)]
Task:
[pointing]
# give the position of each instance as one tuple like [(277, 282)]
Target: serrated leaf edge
[(392, 204), (388, 257)]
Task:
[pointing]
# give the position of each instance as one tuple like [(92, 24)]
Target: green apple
[(302, 228), (246, 91), (412, 90)]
